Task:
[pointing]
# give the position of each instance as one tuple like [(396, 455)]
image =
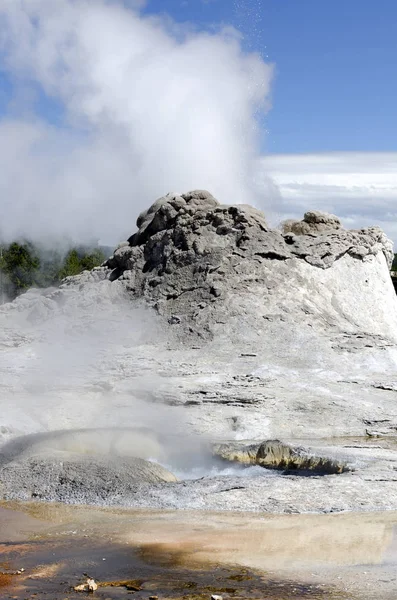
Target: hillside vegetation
[(24, 265)]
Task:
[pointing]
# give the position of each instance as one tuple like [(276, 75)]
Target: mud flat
[(46, 550)]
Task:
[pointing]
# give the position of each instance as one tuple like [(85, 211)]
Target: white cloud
[(150, 108), (359, 187)]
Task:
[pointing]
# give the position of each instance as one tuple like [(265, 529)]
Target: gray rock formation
[(213, 270), (314, 222), (274, 454), (87, 466), (200, 263), (75, 478)]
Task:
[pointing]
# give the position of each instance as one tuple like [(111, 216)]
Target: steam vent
[(211, 268)]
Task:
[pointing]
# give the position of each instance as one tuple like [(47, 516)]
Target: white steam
[(146, 107), (86, 360)]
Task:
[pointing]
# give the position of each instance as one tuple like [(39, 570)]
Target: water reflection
[(311, 549)]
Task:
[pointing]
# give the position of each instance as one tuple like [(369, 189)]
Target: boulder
[(236, 452), (314, 222), (274, 454)]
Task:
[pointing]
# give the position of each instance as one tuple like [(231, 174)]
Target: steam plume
[(123, 107)]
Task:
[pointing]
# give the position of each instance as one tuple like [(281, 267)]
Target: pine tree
[(72, 265), (20, 264)]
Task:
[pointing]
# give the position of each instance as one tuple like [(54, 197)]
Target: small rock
[(89, 586), (174, 320), (92, 585), (216, 291), (216, 597), (375, 434)]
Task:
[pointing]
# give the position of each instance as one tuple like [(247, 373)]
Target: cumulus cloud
[(145, 106), (359, 187)]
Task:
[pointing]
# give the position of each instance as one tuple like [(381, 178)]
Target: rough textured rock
[(198, 263), (274, 454), (78, 478), (314, 222), (244, 454)]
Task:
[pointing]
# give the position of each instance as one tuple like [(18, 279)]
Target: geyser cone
[(210, 267)]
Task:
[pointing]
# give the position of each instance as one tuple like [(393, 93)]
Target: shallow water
[(193, 554)]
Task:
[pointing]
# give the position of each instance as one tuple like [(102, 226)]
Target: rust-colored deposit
[(5, 579), (191, 555)]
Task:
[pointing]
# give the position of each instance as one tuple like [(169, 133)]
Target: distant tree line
[(24, 265)]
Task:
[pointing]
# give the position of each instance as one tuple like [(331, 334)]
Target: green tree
[(93, 259), (51, 263), (23, 265), (19, 264), (71, 265), (78, 260), (394, 265)]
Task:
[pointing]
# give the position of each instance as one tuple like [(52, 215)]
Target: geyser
[(131, 103), (208, 326)]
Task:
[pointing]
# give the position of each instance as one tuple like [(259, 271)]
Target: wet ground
[(46, 550)]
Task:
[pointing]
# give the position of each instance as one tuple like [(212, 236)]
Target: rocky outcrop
[(242, 453), (208, 268), (199, 263), (274, 454), (194, 229), (314, 222)]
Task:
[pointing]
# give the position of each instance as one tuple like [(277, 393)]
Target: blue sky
[(335, 82), (335, 86)]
